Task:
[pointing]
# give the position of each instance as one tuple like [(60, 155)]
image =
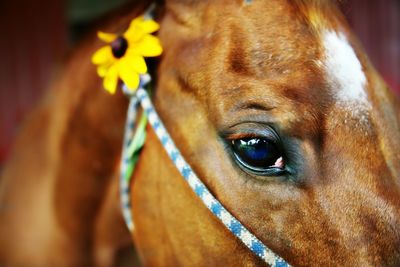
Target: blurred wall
[(80, 14), (35, 36), (377, 24), (32, 43)]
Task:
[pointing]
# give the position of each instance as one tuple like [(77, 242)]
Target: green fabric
[(133, 150)]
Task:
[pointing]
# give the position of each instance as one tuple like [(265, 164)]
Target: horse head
[(278, 110)]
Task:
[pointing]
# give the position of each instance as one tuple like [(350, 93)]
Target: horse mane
[(319, 14), (314, 3)]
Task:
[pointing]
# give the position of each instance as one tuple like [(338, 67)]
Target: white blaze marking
[(345, 72)]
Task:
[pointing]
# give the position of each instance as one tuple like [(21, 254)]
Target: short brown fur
[(225, 63)]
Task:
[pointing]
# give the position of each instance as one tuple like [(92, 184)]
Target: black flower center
[(119, 47)]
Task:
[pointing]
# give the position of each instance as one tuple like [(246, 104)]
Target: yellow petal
[(106, 37), (103, 69), (139, 27), (130, 77), (133, 61), (133, 34), (149, 46), (135, 23), (145, 26), (110, 82), (103, 55), (150, 26)]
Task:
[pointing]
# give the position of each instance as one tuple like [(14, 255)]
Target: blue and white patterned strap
[(252, 242), (124, 183)]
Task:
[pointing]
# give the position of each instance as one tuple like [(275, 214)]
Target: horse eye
[(259, 155)]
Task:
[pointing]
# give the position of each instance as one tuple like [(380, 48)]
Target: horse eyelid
[(250, 131)]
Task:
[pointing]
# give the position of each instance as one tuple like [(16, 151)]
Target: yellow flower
[(123, 56)]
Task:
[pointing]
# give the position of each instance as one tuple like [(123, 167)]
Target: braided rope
[(125, 162), (233, 225)]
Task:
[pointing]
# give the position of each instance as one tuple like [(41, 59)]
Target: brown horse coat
[(235, 66), (229, 67)]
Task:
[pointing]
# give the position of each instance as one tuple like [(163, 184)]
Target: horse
[(287, 79)]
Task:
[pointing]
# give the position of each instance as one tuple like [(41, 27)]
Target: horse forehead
[(271, 38), (296, 47), (281, 44), (344, 72)]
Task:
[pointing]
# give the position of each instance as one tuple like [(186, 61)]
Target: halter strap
[(231, 223)]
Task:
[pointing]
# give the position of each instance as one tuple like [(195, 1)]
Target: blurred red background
[(36, 35)]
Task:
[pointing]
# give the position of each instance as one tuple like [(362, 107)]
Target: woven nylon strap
[(141, 97)]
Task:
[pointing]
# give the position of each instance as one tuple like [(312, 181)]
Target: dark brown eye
[(259, 155)]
